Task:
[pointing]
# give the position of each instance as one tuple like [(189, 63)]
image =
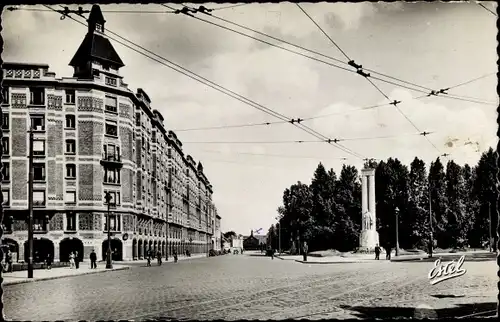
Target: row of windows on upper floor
[(37, 123), (37, 97)]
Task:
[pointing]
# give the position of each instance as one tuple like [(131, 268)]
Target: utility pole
[(431, 242), (491, 238), (30, 208), (397, 230)]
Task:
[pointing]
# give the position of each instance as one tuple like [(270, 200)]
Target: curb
[(446, 258), (58, 277), (346, 262)]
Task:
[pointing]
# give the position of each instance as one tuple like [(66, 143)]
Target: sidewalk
[(331, 259), (469, 256), (44, 274), (170, 260)]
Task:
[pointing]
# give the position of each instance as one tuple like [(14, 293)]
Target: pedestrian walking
[(71, 260), (48, 261), (148, 257), (93, 259), (158, 256), (175, 256), (305, 249), (388, 250), (77, 261), (8, 260), (377, 252)]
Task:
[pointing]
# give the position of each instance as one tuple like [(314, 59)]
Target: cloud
[(451, 128)]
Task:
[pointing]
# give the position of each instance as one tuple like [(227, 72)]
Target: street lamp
[(397, 230), (108, 198)]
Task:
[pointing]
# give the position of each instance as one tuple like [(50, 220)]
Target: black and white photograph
[(249, 161)]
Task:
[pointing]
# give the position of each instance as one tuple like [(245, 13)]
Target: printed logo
[(443, 272)]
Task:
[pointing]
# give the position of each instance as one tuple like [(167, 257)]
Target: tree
[(456, 230), (392, 185), (298, 204), (485, 185), (322, 188), (418, 212), (471, 201), (348, 209), (437, 182), (230, 234)]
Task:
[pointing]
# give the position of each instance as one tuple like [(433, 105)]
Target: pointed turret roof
[(95, 46)]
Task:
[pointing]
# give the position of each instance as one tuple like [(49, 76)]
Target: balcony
[(111, 160)]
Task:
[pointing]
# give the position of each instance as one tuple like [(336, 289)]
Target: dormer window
[(98, 27)]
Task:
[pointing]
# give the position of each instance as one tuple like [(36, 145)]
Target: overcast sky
[(436, 45)]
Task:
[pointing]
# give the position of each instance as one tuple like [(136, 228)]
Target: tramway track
[(207, 306), (304, 295)]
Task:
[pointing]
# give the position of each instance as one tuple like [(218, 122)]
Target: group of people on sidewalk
[(387, 249), (149, 255)]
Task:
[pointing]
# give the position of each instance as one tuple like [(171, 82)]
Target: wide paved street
[(252, 287)]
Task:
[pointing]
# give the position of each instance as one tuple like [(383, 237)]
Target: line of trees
[(327, 213)]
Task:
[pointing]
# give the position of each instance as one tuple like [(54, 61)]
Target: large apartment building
[(94, 136)]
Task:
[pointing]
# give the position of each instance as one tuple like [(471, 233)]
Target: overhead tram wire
[(366, 76), (207, 12), (274, 155), (306, 141), (217, 87), (493, 13), (104, 11)]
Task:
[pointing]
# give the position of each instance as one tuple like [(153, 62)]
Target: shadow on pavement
[(460, 310)]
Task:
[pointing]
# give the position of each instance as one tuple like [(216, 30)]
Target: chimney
[(251, 233)]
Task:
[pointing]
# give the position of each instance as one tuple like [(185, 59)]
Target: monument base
[(368, 240)]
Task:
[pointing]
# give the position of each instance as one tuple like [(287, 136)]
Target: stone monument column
[(369, 236), (364, 196), (371, 188)]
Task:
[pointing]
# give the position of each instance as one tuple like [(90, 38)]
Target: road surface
[(254, 287)]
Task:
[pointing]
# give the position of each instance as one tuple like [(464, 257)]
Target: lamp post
[(431, 235), (109, 264), (30, 207), (397, 230)]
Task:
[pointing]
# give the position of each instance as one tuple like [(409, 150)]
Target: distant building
[(217, 236), (254, 242)]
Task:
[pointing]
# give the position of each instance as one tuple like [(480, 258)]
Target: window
[(39, 171), (5, 171), (6, 197), (5, 95), (138, 119), (70, 171), (5, 121), (37, 96), (114, 223), (111, 103), (110, 81), (38, 122), (38, 147), (111, 175), (39, 198), (70, 146), (115, 197), (98, 27), (70, 121), (5, 145), (70, 96), (70, 221), (39, 224), (111, 129), (111, 152), (70, 197)]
